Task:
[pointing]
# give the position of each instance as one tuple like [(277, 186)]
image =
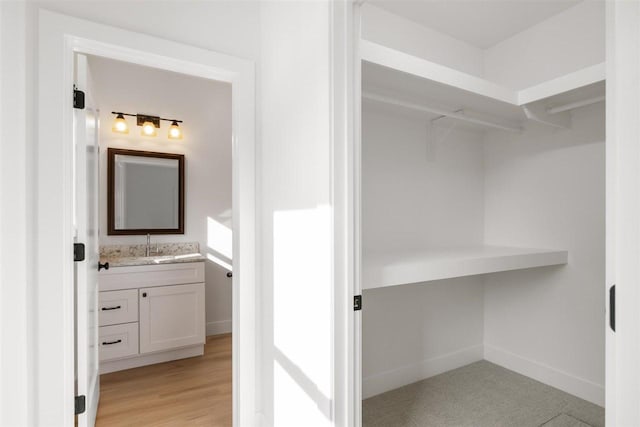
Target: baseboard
[(219, 327), (564, 381), (150, 359), (389, 380)]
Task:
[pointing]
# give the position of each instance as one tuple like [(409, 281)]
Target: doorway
[(74, 36), (164, 208)]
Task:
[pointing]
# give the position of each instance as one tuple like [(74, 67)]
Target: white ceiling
[(481, 23)]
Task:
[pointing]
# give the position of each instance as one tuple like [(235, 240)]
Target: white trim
[(564, 381), (219, 327), (398, 377), (342, 103), (357, 207), (623, 210), (59, 38), (614, 55)]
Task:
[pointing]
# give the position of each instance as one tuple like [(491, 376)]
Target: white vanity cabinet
[(150, 314), (171, 317)]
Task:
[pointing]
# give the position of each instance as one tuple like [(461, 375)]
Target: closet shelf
[(401, 268), (400, 64), (581, 78)]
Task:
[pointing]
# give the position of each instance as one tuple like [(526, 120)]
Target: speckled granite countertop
[(162, 253)]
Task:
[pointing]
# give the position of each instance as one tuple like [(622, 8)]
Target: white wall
[(391, 30), (413, 332), (300, 351), (224, 26), (16, 281), (546, 189), (205, 107), (569, 41), (421, 189)]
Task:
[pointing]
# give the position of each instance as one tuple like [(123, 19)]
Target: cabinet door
[(171, 317)]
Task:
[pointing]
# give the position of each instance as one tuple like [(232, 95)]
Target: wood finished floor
[(188, 392)]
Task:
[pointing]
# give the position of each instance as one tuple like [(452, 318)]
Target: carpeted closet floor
[(480, 395)]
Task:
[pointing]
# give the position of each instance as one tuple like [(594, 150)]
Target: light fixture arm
[(145, 117)]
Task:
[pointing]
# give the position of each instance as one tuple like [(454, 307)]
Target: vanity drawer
[(142, 276), (116, 307), (118, 341)]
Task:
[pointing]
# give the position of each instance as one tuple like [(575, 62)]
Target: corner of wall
[(571, 40), (388, 29)]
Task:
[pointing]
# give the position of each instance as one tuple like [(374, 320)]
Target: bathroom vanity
[(151, 308)]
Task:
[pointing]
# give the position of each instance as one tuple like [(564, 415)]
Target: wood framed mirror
[(145, 192)]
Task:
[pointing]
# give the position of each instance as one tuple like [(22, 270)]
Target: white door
[(171, 317), (86, 227)]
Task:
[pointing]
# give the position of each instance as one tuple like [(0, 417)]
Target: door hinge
[(81, 404), (78, 98), (357, 302), (612, 307), (78, 251)]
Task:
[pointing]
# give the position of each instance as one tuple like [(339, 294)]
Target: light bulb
[(120, 125), (148, 129), (174, 131)]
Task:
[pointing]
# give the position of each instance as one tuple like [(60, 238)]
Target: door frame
[(59, 38), (622, 384)]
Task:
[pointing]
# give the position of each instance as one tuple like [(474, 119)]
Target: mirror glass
[(145, 192)]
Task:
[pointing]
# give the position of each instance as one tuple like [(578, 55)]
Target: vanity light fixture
[(149, 125), (120, 124), (174, 131), (149, 129)]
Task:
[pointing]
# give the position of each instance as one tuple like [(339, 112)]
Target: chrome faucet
[(148, 251)]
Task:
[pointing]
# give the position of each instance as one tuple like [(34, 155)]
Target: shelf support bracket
[(537, 112)]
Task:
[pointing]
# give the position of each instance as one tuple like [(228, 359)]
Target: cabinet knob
[(101, 266), (229, 274), (144, 295)]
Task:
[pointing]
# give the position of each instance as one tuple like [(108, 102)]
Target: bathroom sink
[(158, 259), (164, 253)]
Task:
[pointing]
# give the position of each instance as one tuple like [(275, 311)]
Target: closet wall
[(562, 44), (546, 189), (426, 186), (422, 187)]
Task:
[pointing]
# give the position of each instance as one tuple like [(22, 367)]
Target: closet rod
[(453, 115), (577, 104)]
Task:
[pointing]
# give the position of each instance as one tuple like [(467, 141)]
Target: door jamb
[(59, 38)]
